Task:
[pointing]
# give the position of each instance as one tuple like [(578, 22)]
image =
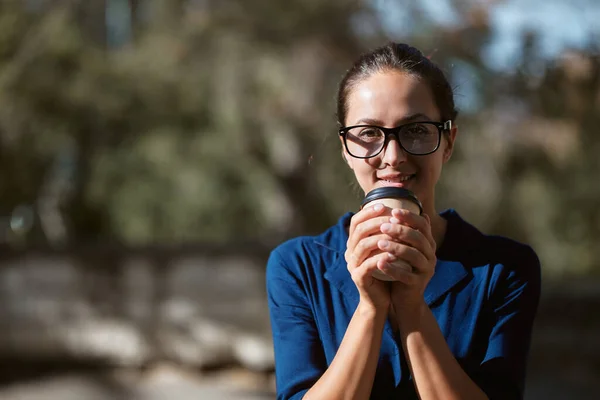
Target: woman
[(458, 326)]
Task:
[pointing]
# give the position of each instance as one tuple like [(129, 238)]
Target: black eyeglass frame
[(441, 126)]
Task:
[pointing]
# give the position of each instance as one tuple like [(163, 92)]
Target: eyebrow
[(408, 118)]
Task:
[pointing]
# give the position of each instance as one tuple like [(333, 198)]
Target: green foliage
[(216, 122)]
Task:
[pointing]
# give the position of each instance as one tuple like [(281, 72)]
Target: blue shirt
[(484, 295)]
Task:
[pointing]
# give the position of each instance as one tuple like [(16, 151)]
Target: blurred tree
[(156, 134), (214, 120), (558, 158), (525, 164)]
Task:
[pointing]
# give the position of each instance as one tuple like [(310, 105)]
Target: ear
[(450, 139)]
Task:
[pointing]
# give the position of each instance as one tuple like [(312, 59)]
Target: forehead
[(389, 98)]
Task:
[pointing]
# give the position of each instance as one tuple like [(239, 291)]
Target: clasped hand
[(376, 240)]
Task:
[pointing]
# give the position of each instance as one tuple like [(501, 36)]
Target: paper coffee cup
[(390, 198)]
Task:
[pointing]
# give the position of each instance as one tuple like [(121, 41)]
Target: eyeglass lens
[(417, 138)]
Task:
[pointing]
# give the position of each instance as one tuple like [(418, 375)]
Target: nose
[(393, 154)]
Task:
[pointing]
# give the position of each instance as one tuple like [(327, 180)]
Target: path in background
[(162, 383), (206, 311)]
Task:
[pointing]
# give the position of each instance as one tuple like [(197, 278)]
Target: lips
[(397, 180)]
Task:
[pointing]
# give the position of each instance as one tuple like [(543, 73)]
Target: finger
[(397, 273), (411, 219), (365, 247), (362, 274), (403, 252), (415, 221), (363, 215), (409, 236), (365, 229)]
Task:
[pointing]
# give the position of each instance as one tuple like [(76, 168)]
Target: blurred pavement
[(163, 383)]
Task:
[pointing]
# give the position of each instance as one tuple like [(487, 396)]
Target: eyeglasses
[(416, 138)]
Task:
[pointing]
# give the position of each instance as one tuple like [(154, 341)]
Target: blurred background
[(152, 153)]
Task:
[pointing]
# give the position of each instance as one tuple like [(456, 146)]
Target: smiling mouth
[(398, 181)]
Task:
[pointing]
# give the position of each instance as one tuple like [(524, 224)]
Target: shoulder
[(295, 255), (507, 258), (290, 255)]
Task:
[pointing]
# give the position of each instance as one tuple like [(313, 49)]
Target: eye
[(416, 129), (370, 134)]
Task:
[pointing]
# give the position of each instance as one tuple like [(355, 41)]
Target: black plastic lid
[(391, 192)]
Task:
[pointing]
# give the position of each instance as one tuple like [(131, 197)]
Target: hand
[(413, 243), (364, 234)]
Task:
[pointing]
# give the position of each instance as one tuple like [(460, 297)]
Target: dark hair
[(403, 58)]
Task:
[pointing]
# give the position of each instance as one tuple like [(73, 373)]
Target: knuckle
[(402, 231), (360, 246), (351, 260), (400, 249), (360, 229), (357, 276)]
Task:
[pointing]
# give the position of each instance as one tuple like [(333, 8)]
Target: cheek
[(373, 163), (430, 167), (365, 166), (364, 170)]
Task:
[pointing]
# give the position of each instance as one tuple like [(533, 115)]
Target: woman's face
[(390, 99)]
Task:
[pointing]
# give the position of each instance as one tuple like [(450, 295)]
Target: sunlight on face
[(390, 99)]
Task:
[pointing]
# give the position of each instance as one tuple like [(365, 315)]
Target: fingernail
[(386, 227), (378, 207), (383, 244), (394, 220), (391, 257)]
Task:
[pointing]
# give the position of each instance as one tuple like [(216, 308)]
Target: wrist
[(372, 311), (410, 314)]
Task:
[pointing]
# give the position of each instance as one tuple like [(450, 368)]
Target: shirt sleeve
[(299, 355), (514, 303)]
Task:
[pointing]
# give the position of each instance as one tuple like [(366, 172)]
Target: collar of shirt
[(447, 273)]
